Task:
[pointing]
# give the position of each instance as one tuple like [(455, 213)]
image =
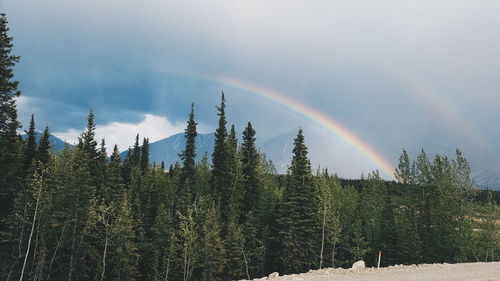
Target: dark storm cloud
[(397, 73)]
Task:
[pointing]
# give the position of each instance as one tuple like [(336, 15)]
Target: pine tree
[(389, 240), (43, 150), (188, 156), (135, 157), (186, 245), (250, 162), (203, 176), (236, 268), (29, 146), (213, 254), (115, 180), (298, 213), (330, 219), (103, 168), (487, 238), (359, 246), (144, 162), (403, 173), (124, 251), (127, 167), (163, 242), (88, 145), (10, 175), (234, 165), (221, 185)]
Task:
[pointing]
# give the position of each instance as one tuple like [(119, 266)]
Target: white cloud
[(123, 134)]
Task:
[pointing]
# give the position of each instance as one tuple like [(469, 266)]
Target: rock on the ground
[(273, 275), (358, 265)]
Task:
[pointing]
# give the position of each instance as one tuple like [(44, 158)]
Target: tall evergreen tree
[(233, 162), (389, 240), (124, 251), (144, 162), (88, 145), (250, 162), (213, 255), (135, 156), (10, 173), (221, 185), (102, 162), (44, 146), (188, 156), (403, 173), (8, 111), (29, 146), (298, 213), (115, 180), (127, 167)]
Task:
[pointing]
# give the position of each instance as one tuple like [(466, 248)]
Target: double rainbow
[(312, 115)]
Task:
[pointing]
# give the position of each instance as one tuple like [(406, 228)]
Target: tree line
[(81, 215)]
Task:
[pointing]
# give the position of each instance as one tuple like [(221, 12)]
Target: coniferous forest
[(82, 215)]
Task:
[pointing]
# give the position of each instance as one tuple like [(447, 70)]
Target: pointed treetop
[(29, 147), (144, 161), (115, 157), (301, 165), (42, 153), (188, 156)]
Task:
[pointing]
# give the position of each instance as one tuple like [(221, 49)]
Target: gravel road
[(425, 272)]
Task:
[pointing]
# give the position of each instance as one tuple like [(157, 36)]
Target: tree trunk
[(333, 254), (246, 262), (105, 249), (322, 238), (55, 251), (31, 235)]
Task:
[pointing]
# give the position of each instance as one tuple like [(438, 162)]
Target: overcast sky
[(397, 74)]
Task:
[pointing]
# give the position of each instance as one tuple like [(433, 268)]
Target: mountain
[(56, 143), (168, 149), (323, 152)]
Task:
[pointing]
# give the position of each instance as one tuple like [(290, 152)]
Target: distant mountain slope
[(168, 149), (56, 143), (488, 178), (322, 151)]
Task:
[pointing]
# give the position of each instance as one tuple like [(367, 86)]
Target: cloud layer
[(123, 134), (396, 73)]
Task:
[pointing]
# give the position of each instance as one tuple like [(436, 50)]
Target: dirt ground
[(425, 272)]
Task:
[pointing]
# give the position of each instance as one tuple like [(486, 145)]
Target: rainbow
[(310, 114), (439, 105)]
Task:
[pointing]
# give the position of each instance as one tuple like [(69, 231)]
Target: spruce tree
[(88, 145), (163, 242), (298, 214), (102, 162), (127, 167), (135, 157), (43, 150), (236, 196), (115, 180), (9, 143), (213, 254), (221, 185), (124, 251), (250, 162), (29, 146), (234, 243), (188, 156), (389, 240), (144, 162), (403, 173)]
